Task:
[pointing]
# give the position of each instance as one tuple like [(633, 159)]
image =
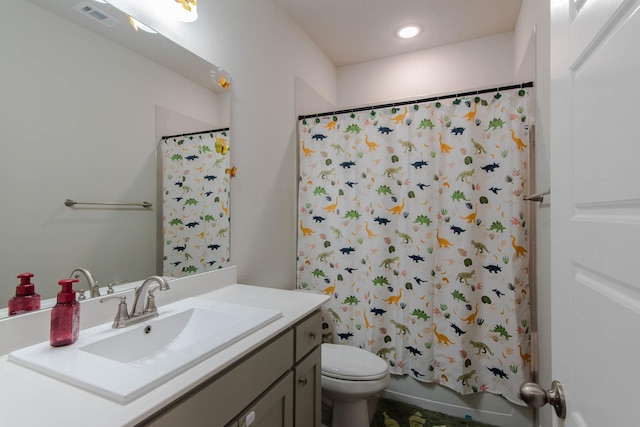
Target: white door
[(595, 209)]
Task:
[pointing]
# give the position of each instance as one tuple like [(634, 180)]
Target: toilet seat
[(344, 362)]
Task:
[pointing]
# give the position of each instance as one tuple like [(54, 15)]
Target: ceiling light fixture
[(409, 31)]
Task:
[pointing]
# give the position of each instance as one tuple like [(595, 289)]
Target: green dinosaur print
[(387, 262), (408, 145), (391, 172), (190, 269), (318, 273), (462, 176), (352, 214), (426, 123), (464, 378), (381, 281), (351, 300), (337, 147), (176, 157), (209, 218), (222, 232), (336, 232), (423, 219), (480, 248), (322, 257), (336, 316), (319, 191), (384, 189), (325, 173), (499, 329), (420, 314), (497, 226), (458, 195), (385, 351), (353, 128), (191, 202), (400, 328), (457, 295), (465, 276), (496, 123), (481, 347), (479, 147), (205, 149), (406, 239), (176, 221)]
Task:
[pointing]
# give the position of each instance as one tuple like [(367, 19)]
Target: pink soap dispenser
[(26, 299), (65, 316)]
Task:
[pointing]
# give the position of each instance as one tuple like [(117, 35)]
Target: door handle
[(536, 397)]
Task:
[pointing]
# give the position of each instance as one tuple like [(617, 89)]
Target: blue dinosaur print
[(457, 130), (457, 230), (493, 268), (192, 158), (381, 221), (345, 335), (499, 373), (346, 251), (377, 311), (384, 130), (416, 373), (213, 247), (347, 165), (210, 177), (350, 270), (457, 330), (351, 183), (498, 292), (318, 137), (416, 258), (419, 281), (318, 218), (495, 190), (179, 248), (419, 164), (414, 351), (490, 167), (423, 186), (192, 224)]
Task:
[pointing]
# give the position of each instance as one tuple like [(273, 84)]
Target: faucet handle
[(150, 305), (81, 295), (121, 315)]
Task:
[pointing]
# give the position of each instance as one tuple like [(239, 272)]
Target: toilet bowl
[(350, 375)]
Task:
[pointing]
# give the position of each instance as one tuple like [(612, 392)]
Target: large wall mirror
[(83, 111)]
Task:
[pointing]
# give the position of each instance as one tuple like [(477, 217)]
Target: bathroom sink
[(124, 364)]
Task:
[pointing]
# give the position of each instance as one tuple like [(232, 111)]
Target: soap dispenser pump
[(26, 299), (65, 316)]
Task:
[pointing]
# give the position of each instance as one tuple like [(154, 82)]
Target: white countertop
[(30, 398)]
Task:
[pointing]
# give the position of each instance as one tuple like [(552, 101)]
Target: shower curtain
[(195, 202), (412, 218)]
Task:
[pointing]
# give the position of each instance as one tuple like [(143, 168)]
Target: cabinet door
[(273, 409), (308, 389)]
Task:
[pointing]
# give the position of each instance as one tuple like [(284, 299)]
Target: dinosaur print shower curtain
[(195, 203), (412, 218)]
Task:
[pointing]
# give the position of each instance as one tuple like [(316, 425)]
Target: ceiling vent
[(96, 14)]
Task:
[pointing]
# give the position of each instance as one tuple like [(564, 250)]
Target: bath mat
[(391, 413)]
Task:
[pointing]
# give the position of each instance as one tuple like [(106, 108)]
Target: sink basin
[(124, 364)]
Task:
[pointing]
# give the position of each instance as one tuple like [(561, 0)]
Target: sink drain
[(147, 329)]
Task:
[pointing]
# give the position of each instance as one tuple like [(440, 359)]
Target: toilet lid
[(351, 363)]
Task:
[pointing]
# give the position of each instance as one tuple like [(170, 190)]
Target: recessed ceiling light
[(409, 31)]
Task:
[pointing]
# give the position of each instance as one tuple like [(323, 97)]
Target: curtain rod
[(195, 133), (416, 101)]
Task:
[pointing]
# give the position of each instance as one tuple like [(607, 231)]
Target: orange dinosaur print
[(442, 338), (372, 145), (307, 151), (397, 210), (366, 321), (225, 209), (331, 125), (520, 251), (444, 148), (332, 207), (400, 117), (521, 145), (442, 243), (370, 234), (471, 115), (393, 299), (329, 290), (526, 357), (472, 317), (305, 231), (471, 218)]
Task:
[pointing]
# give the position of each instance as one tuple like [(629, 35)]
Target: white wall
[(78, 121), (442, 70)]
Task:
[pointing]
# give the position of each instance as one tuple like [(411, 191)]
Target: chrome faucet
[(139, 311), (94, 288)]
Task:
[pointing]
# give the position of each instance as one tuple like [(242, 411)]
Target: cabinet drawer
[(220, 399), (308, 335)]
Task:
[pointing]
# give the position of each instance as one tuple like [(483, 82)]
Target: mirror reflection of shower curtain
[(195, 202)]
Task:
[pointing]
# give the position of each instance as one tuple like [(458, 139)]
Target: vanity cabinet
[(277, 385)]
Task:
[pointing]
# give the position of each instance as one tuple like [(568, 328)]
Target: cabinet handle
[(312, 335), (303, 381)]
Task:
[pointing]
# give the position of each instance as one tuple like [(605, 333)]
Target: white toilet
[(349, 376)]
